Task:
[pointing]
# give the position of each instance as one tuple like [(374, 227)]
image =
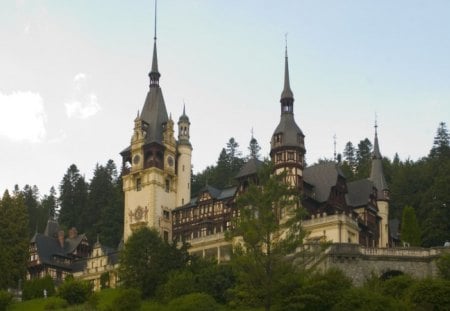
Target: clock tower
[(156, 167)]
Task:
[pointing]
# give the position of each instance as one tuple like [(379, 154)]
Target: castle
[(157, 188), (157, 174)]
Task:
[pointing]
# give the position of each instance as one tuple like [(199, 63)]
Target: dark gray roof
[(249, 168), (359, 192), (154, 113), (184, 117), (322, 177), (287, 93), (52, 228), (290, 131), (376, 172), (215, 194)]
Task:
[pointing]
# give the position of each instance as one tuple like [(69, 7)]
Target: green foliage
[(410, 228), (430, 294), (147, 260), (363, 299), (397, 287), (5, 300), (55, 303), (126, 299), (194, 302), (441, 143), (443, 264), (179, 283), (73, 197), (13, 240), (269, 228), (35, 288), (104, 280), (74, 291)]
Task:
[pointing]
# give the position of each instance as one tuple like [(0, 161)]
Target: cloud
[(84, 103), (22, 116)]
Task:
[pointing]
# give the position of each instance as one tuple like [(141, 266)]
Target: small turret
[(183, 128)]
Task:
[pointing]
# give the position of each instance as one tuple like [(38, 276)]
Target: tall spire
[(376, 172), (287, 97), (154, 73)]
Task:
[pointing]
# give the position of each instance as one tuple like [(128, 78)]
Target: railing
[(355, 249)]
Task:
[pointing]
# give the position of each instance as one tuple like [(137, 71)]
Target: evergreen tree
[(260, 262), (441, 144), (349, 162), (14, 240), (234, 156), (254, 149), (73, 197), (30, 196), (363, 157), (410, 228)]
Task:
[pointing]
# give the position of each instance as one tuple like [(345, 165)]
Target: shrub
[(397, 286), (178, 284), (35, 288), (55, 303), (443, 264), (126, 299), (194, 302), (430, 294), (363, 299), (5, 299), (75, 292)]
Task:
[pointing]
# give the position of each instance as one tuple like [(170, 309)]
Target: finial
[(334, 142), (98, 238), (252, 132), (184, 107), (376, 123), (285, 43), (156, 3)]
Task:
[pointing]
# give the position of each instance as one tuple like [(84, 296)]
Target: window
[(183, 168), (290, 156), (166, 235), (167, 185), (138, 184), (166, 214), (279, 157)]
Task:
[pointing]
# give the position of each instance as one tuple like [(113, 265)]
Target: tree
[(268, 228), (350, 157), (441, 143), (147, 260), (73, 197), (410, 228), (14, 239), (75, 291), (363, 157), (443, 264), (254, 149)]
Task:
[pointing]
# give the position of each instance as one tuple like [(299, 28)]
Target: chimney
[(61, 238)]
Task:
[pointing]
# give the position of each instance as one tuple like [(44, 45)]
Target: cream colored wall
[(184, 176), (383, 212), (338, 228)]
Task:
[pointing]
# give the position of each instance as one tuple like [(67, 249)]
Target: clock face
[(136, 159), (170, 160)]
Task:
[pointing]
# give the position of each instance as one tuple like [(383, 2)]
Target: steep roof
[(154, 113), (322, 177), (249, 168), (359, 192), (376, 172)]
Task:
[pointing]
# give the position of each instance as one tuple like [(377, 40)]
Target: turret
[(379, 182), (184, 167), (287, 143)]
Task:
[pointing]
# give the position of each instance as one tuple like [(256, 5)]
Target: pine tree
[(441, 144), (410, 228), (72, 199), (254, 149), (13, 239)]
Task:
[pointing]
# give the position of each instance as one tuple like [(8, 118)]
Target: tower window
[(138, 184), (166, 236), (167, 185), (166, 214), (291, 156), (279, 157)]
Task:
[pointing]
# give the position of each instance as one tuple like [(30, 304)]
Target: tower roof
[(287, 92), (154, 112), (184, 117), (376, 172), (291, 134)]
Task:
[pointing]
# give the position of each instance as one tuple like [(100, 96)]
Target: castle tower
[(287, 144), (377, 177), (184, 151), (149, 176)]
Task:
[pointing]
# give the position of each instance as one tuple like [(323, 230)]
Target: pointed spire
[(184, 108), (376, 154), (376, 172), (154, 73), (287, 93)]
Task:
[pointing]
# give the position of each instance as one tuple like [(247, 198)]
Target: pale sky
[(74, 73)]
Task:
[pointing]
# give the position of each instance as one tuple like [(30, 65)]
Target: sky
[(73, 75)]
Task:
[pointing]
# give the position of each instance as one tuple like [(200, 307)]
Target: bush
[(55, 303), (443, 264), (5, 299), (397, 286), (35, 288), (75, 292), (126, 299), (178, 284), (194, 302), (430, 294), (362, 299)]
